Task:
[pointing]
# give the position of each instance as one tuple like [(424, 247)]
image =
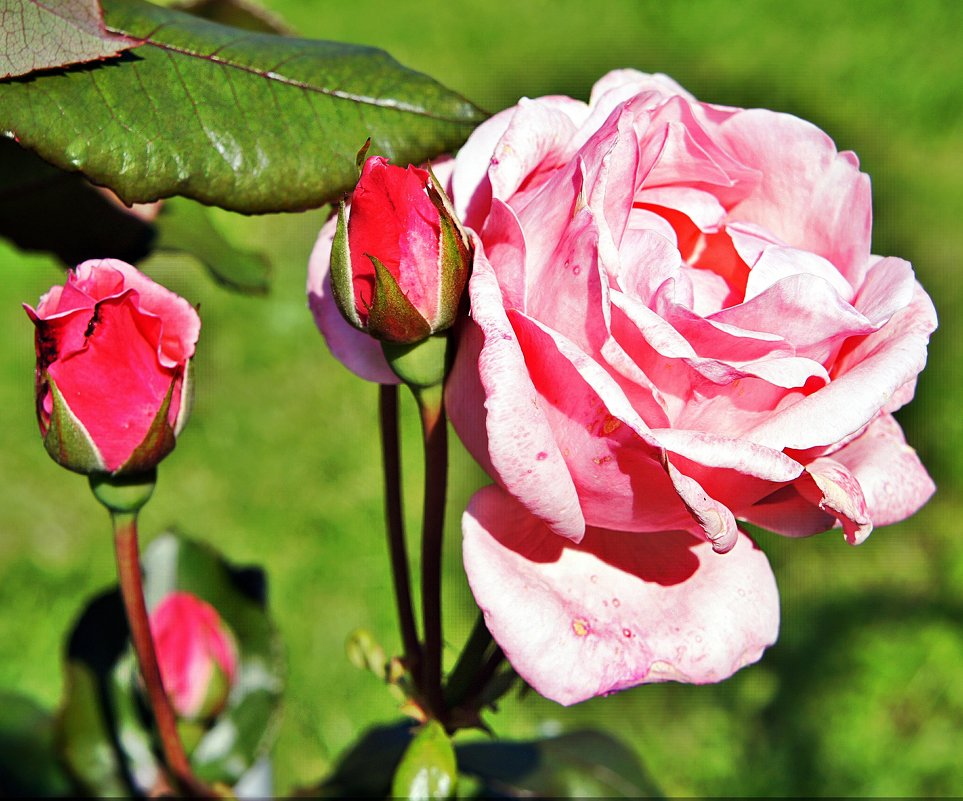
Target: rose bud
[(196, 653), (399, 261), (112, 379)]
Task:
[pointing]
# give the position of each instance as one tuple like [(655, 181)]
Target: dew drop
[(594, 579), (541, 456), (626, 632), (576, 270), (616, 602)]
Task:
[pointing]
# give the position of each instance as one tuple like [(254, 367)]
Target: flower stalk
[(435, 434), (124, 497), (397, 549)]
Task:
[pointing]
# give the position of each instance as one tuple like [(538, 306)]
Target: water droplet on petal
[(576, 270), (541, 456), (594, 579), (626, 632), (616, 602), (580, 627)]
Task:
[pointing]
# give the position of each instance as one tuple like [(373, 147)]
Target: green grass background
[(862, 695)]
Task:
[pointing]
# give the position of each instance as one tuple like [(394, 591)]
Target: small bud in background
[(197, 655), (400, 259)]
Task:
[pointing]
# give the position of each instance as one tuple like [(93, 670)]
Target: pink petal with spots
[(620, 471), (617, 610), (517, 440)]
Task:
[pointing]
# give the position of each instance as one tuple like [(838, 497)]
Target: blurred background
[(862, 695)]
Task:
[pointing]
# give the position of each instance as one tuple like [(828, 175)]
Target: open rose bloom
[(676, 323)]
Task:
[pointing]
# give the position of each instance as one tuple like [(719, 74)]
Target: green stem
[(391, 453), (474, 695), (132, 592), (469, 663), (434, 430)]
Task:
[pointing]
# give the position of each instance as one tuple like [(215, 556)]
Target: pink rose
[(196, 653), (112, 381), (676, 323), (400, 262)]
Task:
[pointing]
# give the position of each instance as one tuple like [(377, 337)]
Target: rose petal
[(867, 377), (804, 310), (893, 480), (621, 472), (838, 492), (520, 445), (180, 324), (618, 610), (114, 386), (809, 196)]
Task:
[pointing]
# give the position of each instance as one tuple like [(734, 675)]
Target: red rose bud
[(400, 261), (112, 380), (196, 653)]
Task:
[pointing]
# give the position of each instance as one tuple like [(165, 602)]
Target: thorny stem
[(390, 449), (132, 592)]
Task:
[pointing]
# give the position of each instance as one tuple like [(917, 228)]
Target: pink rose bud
[(196, 653), (113, 380), (400, 263)]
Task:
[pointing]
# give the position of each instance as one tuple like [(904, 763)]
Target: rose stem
[(473, 695), (434, 431), (390, 450), (469, 662), (132, 592)]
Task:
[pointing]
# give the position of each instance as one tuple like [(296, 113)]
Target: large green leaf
[(581, 764), (184, 226), (28, 762), (41, 35), (249, 121), (428, 768), (43, 208)]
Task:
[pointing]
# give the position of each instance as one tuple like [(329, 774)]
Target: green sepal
[(420, 365), (454, 256), (66, 440), (156, 444), (392, 317), (341, 284), (428, 768), (362, 154), (123, 494)]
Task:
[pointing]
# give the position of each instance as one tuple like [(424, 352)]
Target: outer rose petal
[(894, 482), (181, 326), (618, 610), (520, 444), (356, 350), (114, 385)]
